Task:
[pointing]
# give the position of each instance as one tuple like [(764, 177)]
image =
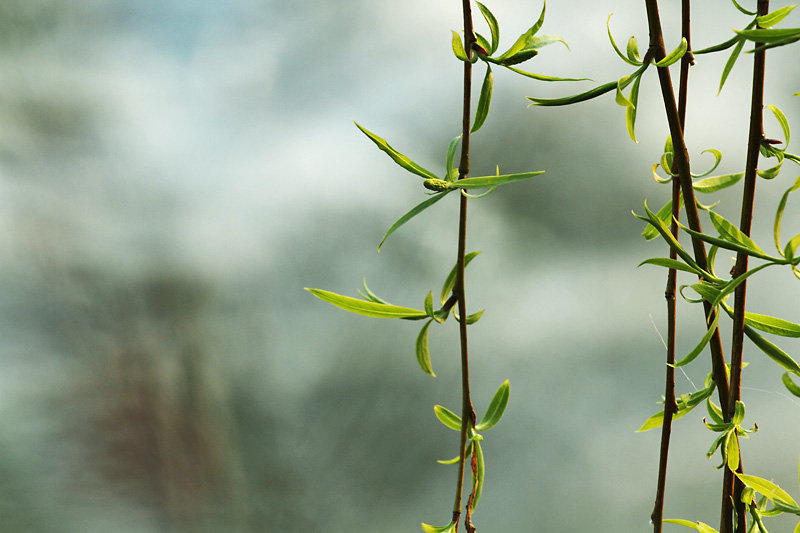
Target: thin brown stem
[(681, 160), (467, 412), (670, 406), (756, 136)]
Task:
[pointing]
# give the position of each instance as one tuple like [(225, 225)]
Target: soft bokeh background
[(173, 173)]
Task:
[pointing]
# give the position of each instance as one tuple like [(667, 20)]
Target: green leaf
[(769, 489), (738, 415), (485, 100), (633, 50), (773, 351), (686, 403), (716, 183), (732, 451), (717, 158), (483, 46), (616, 48), (779, 213), (423, 353), (743, 10), (361, 307), (474, 317), (447, 417), (450, 281), (737, 50), (665, 215), (540, 41), (428, 305), (450, 172), (630, 112), (483, 182), (396, 156), (791, 386), (771, 35), (702, 527), (371, 296), (582, 97), (416, 210), (520, 47), (691, 356), (662, 228), (542, 77), (493, 26), (675, 55), (480, 472), (781, 118), (672, 264), (770, 324), (730, 232), (449, 528), (729, 245), (714, 412), (458, 47), (496, 408), (791, 247), (770, 19)]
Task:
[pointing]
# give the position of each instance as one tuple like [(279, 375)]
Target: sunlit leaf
[(450, 281), (458, 47), (770, 19), (371, 296), (732, 451), (667, 235), (396, 156), (542, 77), (484, 101), (449, 528), (779, 213), (582, 97), (738, 415), (767, 488), (483, 182), (540, 41), (671, 264), (622, 56), (717, 158), (702, 527), (474, 317), (716, 183), (416, 210), (781, 118), (675, 55), (633, 50), (493, 26), (423, 353), (714, 412), (520, 49), (743, 10), (729, 245), (630, 112), (730, 232), (361, 307), (496, 408), (447, 417), (665, 215), (771, 35), (450, 172)]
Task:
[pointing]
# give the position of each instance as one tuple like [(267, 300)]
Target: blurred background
[(173, 173)]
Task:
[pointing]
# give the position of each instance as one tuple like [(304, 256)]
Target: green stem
[(670, 406), (467, 412), (756, 135)]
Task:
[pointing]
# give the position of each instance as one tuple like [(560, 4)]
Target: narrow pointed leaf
[(662, 228), (771, 324), (423, 352), (458, 47), (633, 50), (716, 183), (447, 417), (730, 232), (450, 172), (416, 210), (717, 158), (620, 98), (542, 77), (737, 50), (630, 112), (457, 458), (483, 182), (429, 304), (521, 43), (714, 412), (728, 245), (672, 264), (474, 317), (616, 48), (582, 97), (493, 26), (496, 408), (773, 351), (540, 41), (450, 281), (361, 307), (738, 414), (771, 35), (732, 451), (770, 19), (396, 156), (480, 471), (483, 46), (665, 215), (790, 385), (371, 296), (449, 528), (781, 118), (691, 356), (485, 100), (675, 55), (769, 489), (702, 527), (743, 10)]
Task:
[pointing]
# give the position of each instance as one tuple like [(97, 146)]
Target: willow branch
[(756, 135), (467, 412), (670, 406)]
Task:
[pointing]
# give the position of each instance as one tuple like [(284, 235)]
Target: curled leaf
[(396, 156), (675, 55), (458, 47), (423, 353), (494, 27), (484, 101)]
